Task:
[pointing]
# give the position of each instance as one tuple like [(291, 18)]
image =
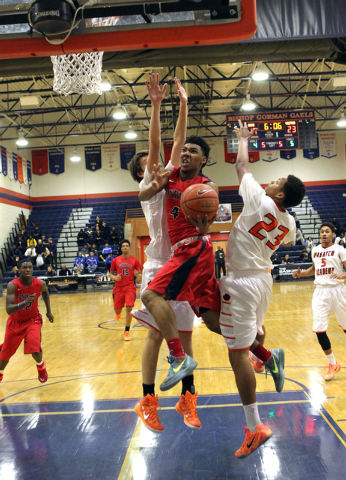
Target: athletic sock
[(262, 353), (40, 364), (187, 385), (127, 329), (331, 359), (148, 389), (175, 348), (252, 416)]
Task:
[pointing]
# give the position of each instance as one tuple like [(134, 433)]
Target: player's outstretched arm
[(12, 307), (156, 95), (304, 273), (46, 299), (158, 183), (180, 129), (242, 163)]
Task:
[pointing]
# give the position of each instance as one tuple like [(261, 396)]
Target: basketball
[(199, 199)]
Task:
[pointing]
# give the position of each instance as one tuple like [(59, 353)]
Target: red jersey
[(125, 267), (22, 292), (178, 227)]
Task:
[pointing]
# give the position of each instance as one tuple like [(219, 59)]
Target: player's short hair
[(24, 260), (294, 190), (125, 241), (329, 225), (197, 140), (135, 165)]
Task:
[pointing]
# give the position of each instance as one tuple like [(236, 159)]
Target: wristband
[(21, 305)]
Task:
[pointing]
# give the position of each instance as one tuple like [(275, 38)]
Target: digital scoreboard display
[(282, 130)]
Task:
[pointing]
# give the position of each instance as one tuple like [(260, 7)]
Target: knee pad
[(323, 340)]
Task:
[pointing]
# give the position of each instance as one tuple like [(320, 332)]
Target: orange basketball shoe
[(42, 372), (253, 440), (257, 365), (187, 408), (332, 370), (127, 337), (118, 317), (147, 410)]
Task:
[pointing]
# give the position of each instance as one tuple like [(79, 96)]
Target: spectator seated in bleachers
[(37, 233), (30, 240), (305, 256), (296, 219), (91, 263), (276, 259), (13, 253), (299, 237), (15, 272), (64, 271), (342, 243), (51, 258), (79, 260), (287, 259), (50, 272), (104, 231), (44, 241), (108, 262), (112, 237), (340, 237), (309, 243), (89, 235), (336, 224), (80, 238), (80, 272), (21, 245), (105, 251), (30, 252), (93, 249), (98, 236), (41, 255), (85, 250), (15, 261), (98, 222)]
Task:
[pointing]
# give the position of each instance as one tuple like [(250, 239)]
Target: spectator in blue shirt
[(80, 260), (105, 251), (108, 261), (92, 263)]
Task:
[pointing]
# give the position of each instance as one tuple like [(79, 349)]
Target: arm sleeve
[(252, 194)]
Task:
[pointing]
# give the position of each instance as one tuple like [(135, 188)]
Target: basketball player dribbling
[(330, 290), (262, 227), (158, 253), (25, 321)]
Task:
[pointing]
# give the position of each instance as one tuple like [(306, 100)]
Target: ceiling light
[(22, 141), (342, 121), (260, 73), (75, 157), (131, 133), (119, 113), (105, 86), (248, 104)]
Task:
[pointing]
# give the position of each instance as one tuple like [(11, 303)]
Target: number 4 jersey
[(259, 230)]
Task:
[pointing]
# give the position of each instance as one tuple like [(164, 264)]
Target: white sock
[(39, 364), (254, 357), (252, 416), (331, 359)]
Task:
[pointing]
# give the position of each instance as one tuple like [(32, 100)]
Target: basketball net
[(77, 73)]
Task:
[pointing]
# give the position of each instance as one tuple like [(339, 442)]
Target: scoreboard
[(281, 130)]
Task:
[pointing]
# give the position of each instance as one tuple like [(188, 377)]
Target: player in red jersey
[(189, 274), (123, 270), (25, 321)]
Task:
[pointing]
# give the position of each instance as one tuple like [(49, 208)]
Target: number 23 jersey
[(259, 230)]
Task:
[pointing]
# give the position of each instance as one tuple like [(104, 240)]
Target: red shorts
[(30, 331), (189, 276), (124, 296)]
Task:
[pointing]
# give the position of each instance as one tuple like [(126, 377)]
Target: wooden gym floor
[(81, 423)]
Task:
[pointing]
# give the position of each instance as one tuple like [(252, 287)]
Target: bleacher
[(329, 204)]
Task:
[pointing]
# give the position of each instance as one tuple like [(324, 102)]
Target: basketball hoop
[(77, 73)]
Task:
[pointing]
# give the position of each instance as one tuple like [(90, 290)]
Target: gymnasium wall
[(14, 198)]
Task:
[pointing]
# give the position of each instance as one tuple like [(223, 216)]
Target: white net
[(77, 73)]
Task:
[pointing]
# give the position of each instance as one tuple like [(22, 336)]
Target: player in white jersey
[(262, 227), (158, 253), (330, 290)]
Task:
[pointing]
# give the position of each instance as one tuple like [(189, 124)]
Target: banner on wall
[(312, 153), (25, 171), (20, 168), (9, 165), (328, 145), (126, 153), (4, 161), (229, 157), (15, 166), (39, 161), (93, 158), (232, 157), (29, 170), (110, 157), (56, 158), (288, 154), (167, 151), (269, 155), (254, 157)]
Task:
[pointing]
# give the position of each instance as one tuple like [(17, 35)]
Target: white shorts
[(244, 303), (324, 301), (182, 310)]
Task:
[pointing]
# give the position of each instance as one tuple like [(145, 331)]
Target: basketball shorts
[(124, 296), (189, 276), (326, 300), (182, 310), (244, 303), (16, 332)]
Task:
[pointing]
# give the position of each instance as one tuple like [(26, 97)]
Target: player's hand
[(243, 131), (117, 278), (181, 91), (30, 298), (338, 276), (202, 226), (136, 272), (297, 273), (156, 94), (158, 177), (50, 317)]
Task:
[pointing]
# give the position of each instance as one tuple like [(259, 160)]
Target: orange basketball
[(199, 199)]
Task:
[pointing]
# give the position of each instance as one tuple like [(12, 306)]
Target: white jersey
[(258, 231), (326, 261), (160, 246)]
